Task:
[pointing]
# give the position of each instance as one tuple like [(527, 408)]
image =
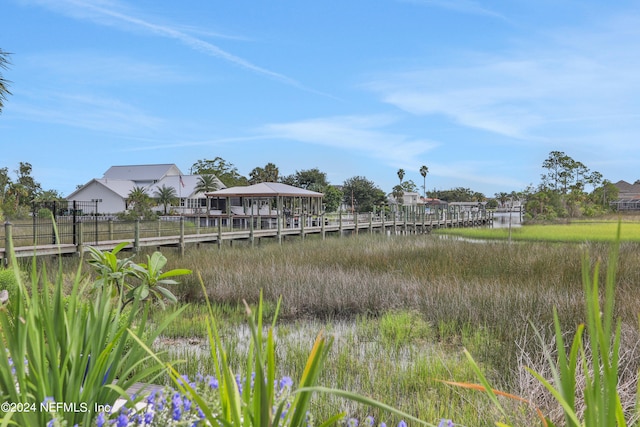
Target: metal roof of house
[(141, 172), (122, 187), (265, 189)]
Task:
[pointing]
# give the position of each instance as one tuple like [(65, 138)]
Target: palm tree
[(424, 171), (206, 184), (4, 84), (401, 175), (139, 198), (166, 196)]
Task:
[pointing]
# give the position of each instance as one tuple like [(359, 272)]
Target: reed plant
[(253, 398), (65, 358), (492, 287), (585, 372)]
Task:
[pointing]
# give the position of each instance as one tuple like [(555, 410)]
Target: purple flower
[(402, 424), (122, 420), (213, 382), (353, 422), (369, 421), (176, 414), (286, 382), (148, 417), (446, 423), (100, 420), (186, 404)]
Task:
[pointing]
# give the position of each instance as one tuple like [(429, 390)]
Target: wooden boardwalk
[(355, 225)]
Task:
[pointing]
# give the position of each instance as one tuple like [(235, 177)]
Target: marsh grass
[(455, 285), (365, 359)]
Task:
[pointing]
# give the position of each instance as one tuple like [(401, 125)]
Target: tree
[(409, 186), (332, 198), (397, 192), (139, 203), (502, 197), (401, 175), (5, 181), (458, 194), (269, 173), (49, 196), (166, 196), (206, 184), (424, 171), (362, 195), (309, 179), (225, 171), (32, 188), (4, 84)]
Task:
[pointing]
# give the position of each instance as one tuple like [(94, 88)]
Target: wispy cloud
[(547, 89), (110, 13), (363, 134), (103, 70), (461, 6), (98, 113)]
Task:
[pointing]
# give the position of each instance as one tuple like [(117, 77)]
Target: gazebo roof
[(265, 189)]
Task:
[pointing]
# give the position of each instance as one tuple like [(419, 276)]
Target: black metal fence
[(56, 222)]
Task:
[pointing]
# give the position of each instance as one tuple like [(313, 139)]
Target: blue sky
[(479, 91)]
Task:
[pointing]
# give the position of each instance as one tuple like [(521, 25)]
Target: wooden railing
[(185, 231)]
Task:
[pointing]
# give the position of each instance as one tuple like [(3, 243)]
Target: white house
[(112, 190)]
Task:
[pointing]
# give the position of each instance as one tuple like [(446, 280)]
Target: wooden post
[(136, 236), (159, 228), (220, 232), (322, 226), (371, 222), (279, 217), (340, 223), (303, 219), (355, 222), (8, 243), (110, 223), (251, 239), (181, 236)]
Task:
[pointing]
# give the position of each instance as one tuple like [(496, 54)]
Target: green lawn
[(579, 231)]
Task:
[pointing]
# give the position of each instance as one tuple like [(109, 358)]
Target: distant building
[(112, 190), (628, 196)]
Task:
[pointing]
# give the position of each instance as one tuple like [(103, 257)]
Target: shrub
[(72, 350)]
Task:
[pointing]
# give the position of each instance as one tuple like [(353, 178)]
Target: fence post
[(322, 226), (340, 222), (181, 236), (79, 238), (355, 222), (110, 222), (251, 239), (220, 232), (8, 243), (136, 236)]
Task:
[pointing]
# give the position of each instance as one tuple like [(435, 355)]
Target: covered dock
[(266, 204)]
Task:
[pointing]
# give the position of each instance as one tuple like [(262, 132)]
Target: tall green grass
[(493, 287), (577, 231)]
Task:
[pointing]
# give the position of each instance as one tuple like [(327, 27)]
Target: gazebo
[(269, 201)]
